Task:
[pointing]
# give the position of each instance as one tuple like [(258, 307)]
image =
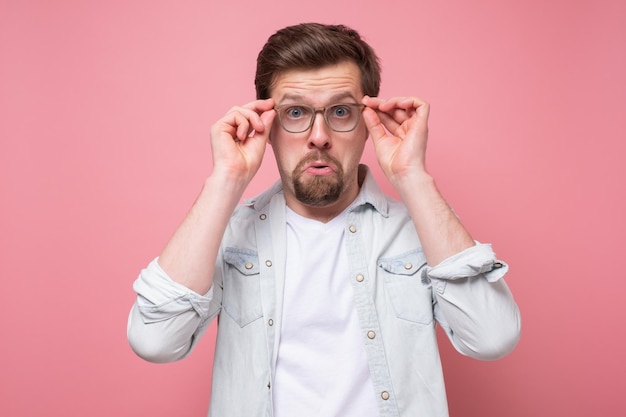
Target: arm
[(173, 305), (399, 130), (189, 256), (474, 306)]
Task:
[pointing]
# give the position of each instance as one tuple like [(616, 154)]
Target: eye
[(341, 111), (296, 112)]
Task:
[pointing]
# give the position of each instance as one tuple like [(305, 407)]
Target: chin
[(319, 192)]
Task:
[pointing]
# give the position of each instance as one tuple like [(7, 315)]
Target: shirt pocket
[(241, 298), (410, 298)]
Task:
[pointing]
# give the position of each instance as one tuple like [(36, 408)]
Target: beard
[(317, 190)]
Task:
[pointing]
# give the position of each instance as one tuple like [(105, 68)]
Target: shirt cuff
[(474, 261), (160, 298)]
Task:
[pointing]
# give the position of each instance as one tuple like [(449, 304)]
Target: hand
[(399, 130), (239, 138)]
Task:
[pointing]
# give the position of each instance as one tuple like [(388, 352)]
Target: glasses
[(298, 118)]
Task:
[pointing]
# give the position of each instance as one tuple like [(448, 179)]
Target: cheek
[(357, 147), (283, 153)]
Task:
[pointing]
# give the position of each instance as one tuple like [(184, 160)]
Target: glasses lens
[(343, 117), (295, 119)]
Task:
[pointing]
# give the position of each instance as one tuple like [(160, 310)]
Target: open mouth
[(319, 168)]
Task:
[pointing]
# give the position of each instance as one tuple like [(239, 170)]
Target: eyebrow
[(297, 98)]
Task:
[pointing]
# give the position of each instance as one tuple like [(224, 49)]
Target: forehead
[(318, 86)]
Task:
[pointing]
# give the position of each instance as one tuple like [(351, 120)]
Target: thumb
[(267, 118), (374, 125)]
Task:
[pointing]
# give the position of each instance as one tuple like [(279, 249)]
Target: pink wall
[(105, 109)]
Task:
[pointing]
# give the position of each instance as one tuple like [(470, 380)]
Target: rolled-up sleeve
[(473, 303), (167, 318)]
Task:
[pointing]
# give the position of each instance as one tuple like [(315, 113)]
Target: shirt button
[(408, 265), (384, 395), (497, 265), (263, 216), (270, 322), (352, 229), (248, 265), (360, 278), (371, 334), (268, 263)]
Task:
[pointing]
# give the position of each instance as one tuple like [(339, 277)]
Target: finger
[(267, 118), (396, 107), (407, 108), (406, 103), (374, 124), (392, 123), (390, 115), (372, 102), (242, 125), (422, 114), (241, 121), (257, 108), (422, 109)]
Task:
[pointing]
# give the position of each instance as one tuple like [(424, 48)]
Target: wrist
[(410, 181), (227, 180), (223, 189)]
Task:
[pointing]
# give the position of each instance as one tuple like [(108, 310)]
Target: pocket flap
[(405, 264), (244, 260)]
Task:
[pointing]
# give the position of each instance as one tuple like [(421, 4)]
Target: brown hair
[(314, 45)]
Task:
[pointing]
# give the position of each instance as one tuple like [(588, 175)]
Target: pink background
[(105, 109)]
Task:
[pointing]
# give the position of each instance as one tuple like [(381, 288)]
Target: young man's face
[(319, 166)]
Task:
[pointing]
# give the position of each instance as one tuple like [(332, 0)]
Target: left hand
[(399, 130)]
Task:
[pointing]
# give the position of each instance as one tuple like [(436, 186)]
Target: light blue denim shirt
[(398, 299)]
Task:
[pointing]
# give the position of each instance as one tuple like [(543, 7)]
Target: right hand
[(239, 138)]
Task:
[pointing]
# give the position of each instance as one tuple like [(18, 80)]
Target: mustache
[(315, 156)]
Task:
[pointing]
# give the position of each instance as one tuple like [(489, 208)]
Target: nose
[(319, 136)]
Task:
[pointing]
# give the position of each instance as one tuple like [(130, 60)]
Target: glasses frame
[(322, 110)]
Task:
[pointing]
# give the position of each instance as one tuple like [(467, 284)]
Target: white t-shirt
[(322, 369)]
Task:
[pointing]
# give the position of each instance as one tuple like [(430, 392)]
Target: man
[(327, 291)]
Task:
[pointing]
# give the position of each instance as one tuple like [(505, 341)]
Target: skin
[(319, 88), (399, 133)]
